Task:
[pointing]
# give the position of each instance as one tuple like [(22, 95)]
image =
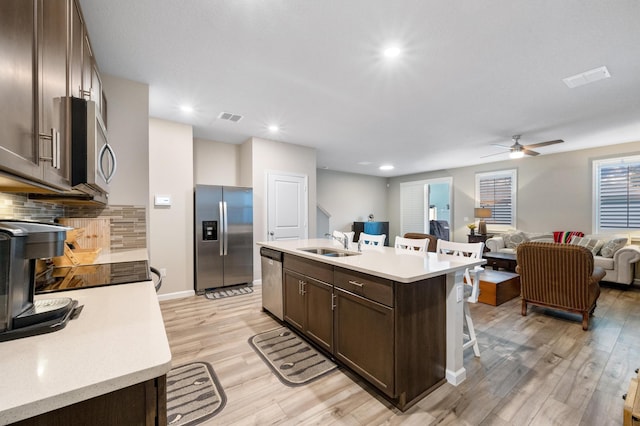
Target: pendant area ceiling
[(469, 74)]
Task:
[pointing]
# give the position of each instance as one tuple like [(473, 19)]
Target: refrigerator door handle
[(222, 235), (226, 228)]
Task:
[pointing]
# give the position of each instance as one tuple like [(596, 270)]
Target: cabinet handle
[(54, 137), (303, 290), (86, 94), (333, 302), (356, 283)]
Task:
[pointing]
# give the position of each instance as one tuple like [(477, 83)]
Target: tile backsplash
[(128, 223)]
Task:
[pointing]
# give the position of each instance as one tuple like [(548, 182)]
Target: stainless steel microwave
[(93, 161)]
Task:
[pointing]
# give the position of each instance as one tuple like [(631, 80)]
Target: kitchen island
[(392, 316), (109, 363)]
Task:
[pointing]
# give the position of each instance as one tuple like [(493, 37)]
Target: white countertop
[(117, 341), (395, 264)]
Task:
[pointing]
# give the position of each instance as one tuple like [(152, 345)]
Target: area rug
[(220, 293), (294, 361), (194, 394)]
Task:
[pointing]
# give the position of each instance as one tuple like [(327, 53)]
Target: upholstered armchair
[(559, 276)]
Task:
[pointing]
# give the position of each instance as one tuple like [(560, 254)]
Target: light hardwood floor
[(541, 369)]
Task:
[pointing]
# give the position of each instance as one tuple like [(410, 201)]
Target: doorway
[(423, 201)]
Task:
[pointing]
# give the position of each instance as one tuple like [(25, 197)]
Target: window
[(497, 191), (617, 193)]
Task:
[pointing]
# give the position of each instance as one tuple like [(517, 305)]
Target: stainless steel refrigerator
[(223, 236)]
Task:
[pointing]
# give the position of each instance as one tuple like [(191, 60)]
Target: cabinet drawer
[(374, 288), (310, 268)]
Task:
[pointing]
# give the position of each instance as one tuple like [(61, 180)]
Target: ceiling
[(470, 74)]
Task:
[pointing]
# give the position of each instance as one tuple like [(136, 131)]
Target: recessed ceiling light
[(386, 167), (273, 128), (186, 108), (363, 163), (391, 52)]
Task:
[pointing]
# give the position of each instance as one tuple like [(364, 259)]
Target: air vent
[(586, 77), (230, 117)]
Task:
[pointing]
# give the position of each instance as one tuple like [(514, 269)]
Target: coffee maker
[(21, 243)]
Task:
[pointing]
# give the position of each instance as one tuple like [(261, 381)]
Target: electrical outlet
[(163, 272), (466, 219), (459, 293)]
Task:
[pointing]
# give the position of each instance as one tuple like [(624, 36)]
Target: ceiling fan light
[(516, 154)]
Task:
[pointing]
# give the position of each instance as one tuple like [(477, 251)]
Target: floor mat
[(220, 293), (290, 357), (194, 394)]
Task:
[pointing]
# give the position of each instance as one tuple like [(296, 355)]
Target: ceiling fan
[(518, 151)]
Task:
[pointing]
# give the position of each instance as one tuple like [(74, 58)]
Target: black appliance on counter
[(21, 243), (61, 278)]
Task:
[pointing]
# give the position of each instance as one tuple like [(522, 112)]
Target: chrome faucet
[(344, 240)]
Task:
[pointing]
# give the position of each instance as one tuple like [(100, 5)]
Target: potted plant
[(472, 228)]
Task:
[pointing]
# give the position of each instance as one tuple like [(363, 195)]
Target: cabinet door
[(52, 76), (294, 309), (364, 338), (18, 145), (75, 54), (319, 321)]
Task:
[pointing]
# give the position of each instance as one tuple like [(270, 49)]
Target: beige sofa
[(617, 260)]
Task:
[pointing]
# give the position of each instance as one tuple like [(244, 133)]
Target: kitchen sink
[(329, 252)]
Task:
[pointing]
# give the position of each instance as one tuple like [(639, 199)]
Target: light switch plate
[(162, 200)]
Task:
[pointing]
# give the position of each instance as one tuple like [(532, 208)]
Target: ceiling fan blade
[(491, 155), (537, 145), (529, 152), (501, 146)]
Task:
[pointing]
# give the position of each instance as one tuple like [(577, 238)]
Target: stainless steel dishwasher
[(272, 298)]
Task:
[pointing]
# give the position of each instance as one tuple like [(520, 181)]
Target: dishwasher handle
[(271, 254)]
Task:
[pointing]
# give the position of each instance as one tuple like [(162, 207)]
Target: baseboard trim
[(456, 377), (176, 295)]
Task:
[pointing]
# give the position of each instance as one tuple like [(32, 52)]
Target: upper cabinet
[(47, 46)]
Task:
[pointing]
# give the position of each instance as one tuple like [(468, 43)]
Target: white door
[(287, 207)]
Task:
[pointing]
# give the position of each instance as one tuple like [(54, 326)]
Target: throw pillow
[(612, 246), (512, 240), (565, 236), (590, 243)]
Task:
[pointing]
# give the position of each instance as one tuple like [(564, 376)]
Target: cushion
[(604, 262), (512, 240), (612, 246), (565, 236), (541, 238), (590, 243)]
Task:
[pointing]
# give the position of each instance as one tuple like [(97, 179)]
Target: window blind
[(619, 196), (496, 194)]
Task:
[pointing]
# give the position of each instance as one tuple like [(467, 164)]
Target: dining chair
[(342, 234), (470, 284), (411, 244), (372, 240)]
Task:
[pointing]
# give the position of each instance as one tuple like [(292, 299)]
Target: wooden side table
[(479, 238)]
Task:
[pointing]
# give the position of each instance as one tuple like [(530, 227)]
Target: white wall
[(128, 130), (171, 228), (216, 163), (349, 197), (272, 156), (554, 191)]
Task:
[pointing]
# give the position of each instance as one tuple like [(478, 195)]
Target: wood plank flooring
[(542, 369)]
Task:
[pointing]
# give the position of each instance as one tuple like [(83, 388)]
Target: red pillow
[(565, 236)]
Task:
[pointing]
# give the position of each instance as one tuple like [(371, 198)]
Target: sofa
[(611, 252)]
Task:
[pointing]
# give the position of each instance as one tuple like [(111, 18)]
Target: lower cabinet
[(140, 404), (392, 334), (363, 332), (308, 307)]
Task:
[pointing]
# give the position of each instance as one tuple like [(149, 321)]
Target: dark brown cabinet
[(47, 46), (308, 299), (392, 334), (363, 332)]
